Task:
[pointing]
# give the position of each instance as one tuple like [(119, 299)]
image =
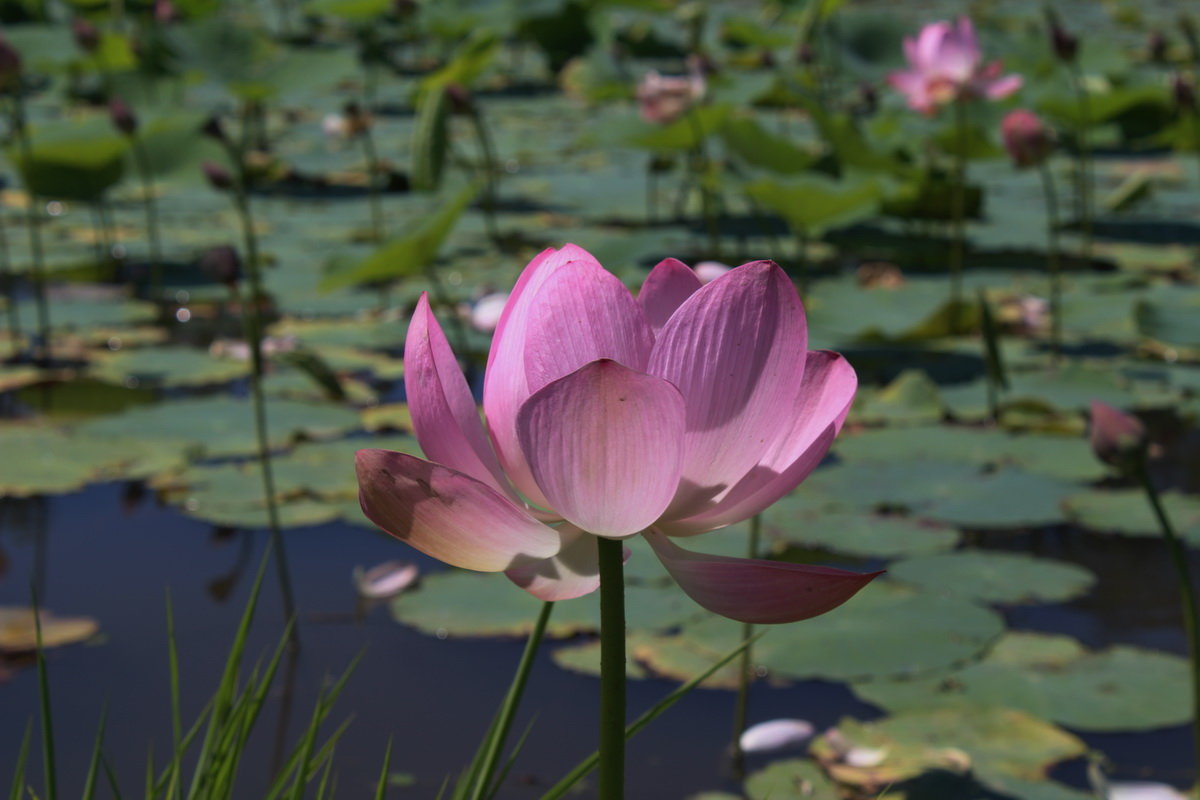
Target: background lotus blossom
[(946, 65), (665, 98), (1028, 140), (684, 410)]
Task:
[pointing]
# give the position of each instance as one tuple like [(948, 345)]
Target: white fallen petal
[(485, 314), (386, 579), (709, 271), (865, 757), (1143, 791), (776, 735)]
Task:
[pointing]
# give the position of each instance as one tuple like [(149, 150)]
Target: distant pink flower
[(945, 65), (1118, 438), (1028, 140), (665, 98), (687, 409)]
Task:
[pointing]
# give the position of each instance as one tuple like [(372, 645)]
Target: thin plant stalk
[(802, 257), (34, 220), (745, 671), (1053, 265), (958, 213), (490, 170), (10, 289), (612, 669), (699, 163), (142, 163), (496, 736), (374, 190), (252, 326), (49, 767), (1083, 164), (1187, 592)]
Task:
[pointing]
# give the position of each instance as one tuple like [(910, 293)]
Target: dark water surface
[(101, 555)]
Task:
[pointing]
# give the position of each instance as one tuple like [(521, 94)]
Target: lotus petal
[(574, 572), (776, 734), (666, 287)]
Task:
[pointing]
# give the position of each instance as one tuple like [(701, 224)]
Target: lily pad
[(793, 777), (995, 577), (18, 629), (166, 367), (1127, 512), (866, 535)]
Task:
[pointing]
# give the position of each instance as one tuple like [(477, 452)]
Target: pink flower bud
[(165, 12), (1064, 43), (1027, 138), (87, 36), (218, 177), (1117, 438), (222, 264), (122, 116)]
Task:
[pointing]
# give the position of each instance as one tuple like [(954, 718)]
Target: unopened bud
[(1183, 89), (87, 36), (1027, 138), (122, 116), (213, 129), (10, 65), (218, 177), (165, 12), (1064, 43), (1117, 438), (223, 265)]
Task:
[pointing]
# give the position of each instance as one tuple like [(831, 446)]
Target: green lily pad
[(866, 535), (42, 460), (911, 399), (995, 577), (1006, 499), (18, 629), (1128, 512), (166, 367), (793, 777)]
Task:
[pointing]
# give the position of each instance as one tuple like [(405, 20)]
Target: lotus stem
[(10, 289), (1083, 172), (958, 213), (490, 167), (699, 165), (374, 190), (1187, 592), (150, 205), (612, 669), (34, 220), (746, 666), (1053, 265)]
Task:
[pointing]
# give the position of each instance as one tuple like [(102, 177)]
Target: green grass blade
[(323, 786), (18, 781), (93, 773), (308, 744), (173, 667), (49, 768), (589, 763), (512, 759), (111, 776), (381, 787)]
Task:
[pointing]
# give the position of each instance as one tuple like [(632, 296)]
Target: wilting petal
[(666, 287), (574, 572), (505, 386), (583, 314), (754, 591), (604, 444), (386, 579), (776, 734), (736, 350), (825, 397), (448, 515), (445, 418)]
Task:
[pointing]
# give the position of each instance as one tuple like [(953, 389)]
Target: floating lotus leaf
[(1006, 499), (42, 460), (792, 778), (296, 385), (17, 377), (291, 515), (1128, 512), (995, 577), (18, 629), (1053, 677), (912, 485), (388, 417), (857, 534), (912, 398), (223, 426), (585, 658), (841, 311), (88, 316), (1173, 320), (166, 367), (368, 333)]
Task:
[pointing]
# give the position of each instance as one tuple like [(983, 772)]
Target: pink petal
[(505, 386), (1002, 88), (929, 45), (666, 287), (445, 418), (605, 445), (736, 351), (574, 572), (825, 398), (448, 515), (755, 591)]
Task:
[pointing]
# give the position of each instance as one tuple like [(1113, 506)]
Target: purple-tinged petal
[(445, 419), (574, 572), (605, 444), (825, 398), (736, 350), (448, 515), (1003, 87), (755, 591), (666, 287), (505, 386), (583, 314)]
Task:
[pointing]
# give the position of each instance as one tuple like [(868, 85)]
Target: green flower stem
[(34, 220), (375, 191), (494, 742), (1083, 172), (252, 325), (10, 289), (612, 668), (490, 170), (958, 213), (745, 676), (1187, 592), (142, 162), (699, 163), (1052, 260)]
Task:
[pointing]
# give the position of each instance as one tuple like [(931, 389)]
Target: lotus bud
[(122, 116), (87, 36), (218, 177), (213, 129), (10, 66), (1064, 43), (1183, 89), (1027, 138), (165, 12), (223, 265), (1118, 439)]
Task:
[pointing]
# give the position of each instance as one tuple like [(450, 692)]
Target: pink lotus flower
[(946, 65), (662, 99), (1028, 140), (1117, 438), (685, 410)]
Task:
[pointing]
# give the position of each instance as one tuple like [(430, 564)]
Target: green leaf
[(1127, 512), (747, 139), (811, 205), (72, 161), (431, 139), (995, 577)]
